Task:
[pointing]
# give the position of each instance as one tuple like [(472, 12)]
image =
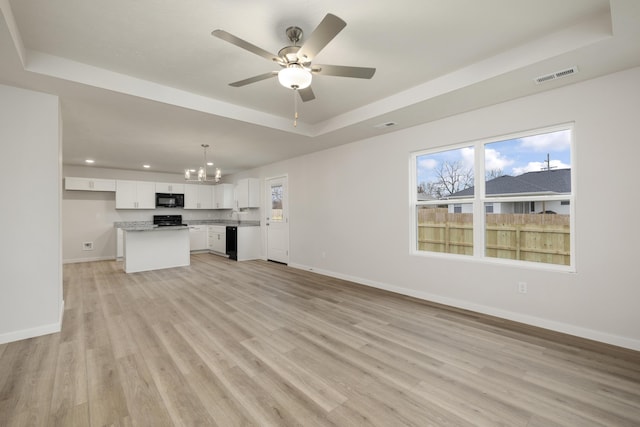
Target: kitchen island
[(153, 248)]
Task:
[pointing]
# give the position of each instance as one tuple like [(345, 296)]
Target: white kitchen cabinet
[(223, 196), (248, 244), (198, 235), (218, 238), (248, 193), (135, 195), (89, 184), (198, 196), (164, 187), (119, 243)]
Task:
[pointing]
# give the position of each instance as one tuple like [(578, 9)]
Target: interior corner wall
[(30, 263), (350, 214)]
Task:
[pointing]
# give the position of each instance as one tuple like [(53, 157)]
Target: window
[(521, 211), (276, 203), (445, 227)]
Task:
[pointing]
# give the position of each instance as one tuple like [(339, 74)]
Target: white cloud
[(493, 160), (468, 157), (427, 163), (538, 166), (554, 141)]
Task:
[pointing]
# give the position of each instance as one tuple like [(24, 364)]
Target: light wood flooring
[(255, 343)]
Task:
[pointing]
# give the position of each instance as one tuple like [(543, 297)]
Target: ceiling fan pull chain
[(295, 108)]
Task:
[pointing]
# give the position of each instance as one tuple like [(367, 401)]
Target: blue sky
[(513, 157)]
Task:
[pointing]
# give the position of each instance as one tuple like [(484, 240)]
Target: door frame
[(287, 215)]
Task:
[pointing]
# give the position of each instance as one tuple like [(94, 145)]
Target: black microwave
[(165, 200)]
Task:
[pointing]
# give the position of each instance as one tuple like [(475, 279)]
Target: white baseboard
[(76, 260), (491, 311), (23, 334)]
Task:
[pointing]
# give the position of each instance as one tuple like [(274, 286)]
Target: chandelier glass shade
[(201, 175), (294, 77)]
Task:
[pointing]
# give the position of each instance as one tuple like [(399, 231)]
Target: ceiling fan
[(297, 69)]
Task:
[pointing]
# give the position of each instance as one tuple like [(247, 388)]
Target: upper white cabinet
[(135, 195), (163, 187), (248, 193), (223, 196), (198, 196), (89, 184)]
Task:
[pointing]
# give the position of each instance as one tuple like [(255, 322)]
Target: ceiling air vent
[(556, 75), (385, 125)]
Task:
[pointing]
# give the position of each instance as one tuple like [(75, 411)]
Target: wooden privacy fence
[(528, 237)]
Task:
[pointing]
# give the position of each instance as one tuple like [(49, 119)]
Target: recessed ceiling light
[(209, 163), (146, 166), (90, 161)]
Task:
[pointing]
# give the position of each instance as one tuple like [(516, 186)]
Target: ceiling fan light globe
[(294, 77)]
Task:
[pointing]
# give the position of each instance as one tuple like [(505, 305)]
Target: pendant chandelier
[(201, 176)]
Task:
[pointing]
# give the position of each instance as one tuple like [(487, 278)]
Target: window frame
[(479, 200)]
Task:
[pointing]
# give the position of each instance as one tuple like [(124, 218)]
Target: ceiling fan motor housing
[(294, 34), (289, 54)]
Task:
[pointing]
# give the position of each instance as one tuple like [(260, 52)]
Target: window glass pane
[(538, 164), (539, 236), (276, 203), (441, 229), (526, 199), (445, 174)]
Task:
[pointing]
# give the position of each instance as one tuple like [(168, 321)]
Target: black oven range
[(167, 220)]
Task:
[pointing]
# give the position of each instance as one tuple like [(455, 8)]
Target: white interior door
[(277, 219)]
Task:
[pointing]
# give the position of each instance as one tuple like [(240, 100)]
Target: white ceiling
[(144, 81)]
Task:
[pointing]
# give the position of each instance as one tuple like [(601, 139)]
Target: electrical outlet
[(522, 287), (87, 246)]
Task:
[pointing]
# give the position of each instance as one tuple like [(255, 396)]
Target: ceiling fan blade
[(221, 34), (254, 79), (328, 28), (306, 94), (344, 71)]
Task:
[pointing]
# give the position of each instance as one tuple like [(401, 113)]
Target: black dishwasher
[(232, 242)]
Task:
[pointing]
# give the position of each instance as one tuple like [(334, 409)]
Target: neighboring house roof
[(425, 196), (542, 182)]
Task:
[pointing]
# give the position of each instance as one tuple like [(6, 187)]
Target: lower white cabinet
[(248, 243), (218, 239), (119, 243), (198, 238)]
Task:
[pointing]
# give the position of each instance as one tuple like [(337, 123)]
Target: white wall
[(352, 203), (30, 263)]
